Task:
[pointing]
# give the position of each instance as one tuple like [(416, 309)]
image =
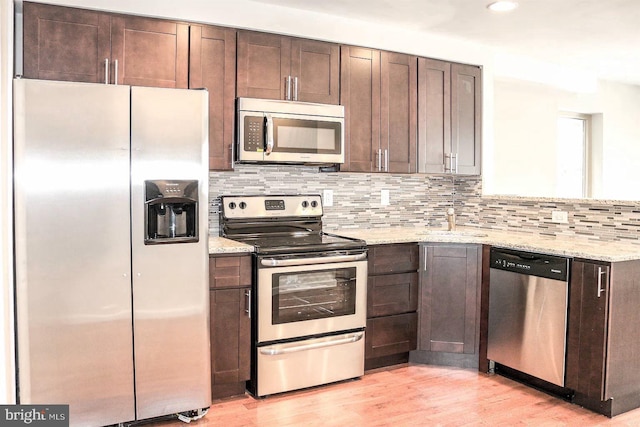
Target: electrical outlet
[(327, 198), (560, 217), (384, 197)]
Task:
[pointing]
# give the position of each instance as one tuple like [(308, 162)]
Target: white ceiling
[(601, 36)]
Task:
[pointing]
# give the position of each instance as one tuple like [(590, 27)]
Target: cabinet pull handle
[(600, 274), (288, 88), (115, 66), (247, 295), (106, 71), (447, 169), (386, 160), (379, 159), (424, 257), (454, 166), (295, 88)]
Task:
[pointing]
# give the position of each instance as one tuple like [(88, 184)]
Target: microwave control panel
[(254, 133)]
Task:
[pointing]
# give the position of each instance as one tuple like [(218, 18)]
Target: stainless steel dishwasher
[(528, 296)]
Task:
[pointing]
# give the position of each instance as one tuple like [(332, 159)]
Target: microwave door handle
[(269, 134)]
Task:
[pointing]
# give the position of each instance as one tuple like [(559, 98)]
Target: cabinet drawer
[(386, 259), (392, 294), (390, 335), (230, 271)]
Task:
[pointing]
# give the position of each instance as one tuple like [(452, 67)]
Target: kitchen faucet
[(451, 219)]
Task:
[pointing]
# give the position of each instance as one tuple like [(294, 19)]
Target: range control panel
[(279, 206)]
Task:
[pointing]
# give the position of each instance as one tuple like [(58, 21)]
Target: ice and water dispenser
[(171, 214)]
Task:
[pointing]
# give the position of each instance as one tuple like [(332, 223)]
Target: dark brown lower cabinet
[(603, 338), (449, 312), (392, 301), (230, 326), (390, 336)]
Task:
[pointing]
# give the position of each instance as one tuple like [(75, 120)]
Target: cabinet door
[(264, 63), (62, 43), (212, 65), (434, 115), (150, 52), (450, 299), (391, 335), (398, 112), (466, 113), (230, 340), (360, 95), (392, 294), (399, 258), (317, 68), (587, 330)]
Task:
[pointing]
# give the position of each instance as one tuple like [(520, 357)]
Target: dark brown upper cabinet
[(149, 52), (277, 67), (360, 95), (449, 117), (379, 92), (62, 43), (398, 118), (212, 65)]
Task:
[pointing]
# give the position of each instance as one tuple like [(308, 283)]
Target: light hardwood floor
[(408, 395)]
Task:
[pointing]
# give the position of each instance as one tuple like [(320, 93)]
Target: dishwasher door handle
[(601, 273)]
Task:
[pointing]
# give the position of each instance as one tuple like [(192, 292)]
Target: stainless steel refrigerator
[(111, 235)]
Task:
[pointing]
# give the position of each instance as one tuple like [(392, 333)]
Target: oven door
[(311, 296)]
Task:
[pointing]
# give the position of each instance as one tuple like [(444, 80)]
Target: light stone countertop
[(568, 246), (220, 245)]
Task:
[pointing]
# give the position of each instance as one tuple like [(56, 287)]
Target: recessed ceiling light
[(502, 6)]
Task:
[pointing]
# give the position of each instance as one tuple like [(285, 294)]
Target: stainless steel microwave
[(272, 131)]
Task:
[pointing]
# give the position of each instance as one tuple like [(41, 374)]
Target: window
[(572, 173)]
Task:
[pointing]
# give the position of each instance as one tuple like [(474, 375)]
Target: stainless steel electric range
[(309, 287)]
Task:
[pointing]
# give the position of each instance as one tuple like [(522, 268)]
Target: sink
[(465, 233)]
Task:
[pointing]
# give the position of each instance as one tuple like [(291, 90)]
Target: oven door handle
[(286, 349), (271, 262)]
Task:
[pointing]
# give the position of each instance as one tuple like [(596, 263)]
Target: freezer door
[(72, 234), (170, 281)]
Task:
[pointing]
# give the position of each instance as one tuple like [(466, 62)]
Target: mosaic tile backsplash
[(422, 200), (415, 200)]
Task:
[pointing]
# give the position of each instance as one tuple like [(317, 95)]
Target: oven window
[(307, 136), (300, 296)]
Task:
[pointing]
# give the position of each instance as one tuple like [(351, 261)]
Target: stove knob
[(305, 204), (314, 204), (242, 205), (232, 205)]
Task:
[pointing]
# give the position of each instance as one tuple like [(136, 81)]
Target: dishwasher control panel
[(529, 263)]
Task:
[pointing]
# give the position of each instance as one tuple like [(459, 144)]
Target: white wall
[(621, 141), (233, 13), (525, 124)]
